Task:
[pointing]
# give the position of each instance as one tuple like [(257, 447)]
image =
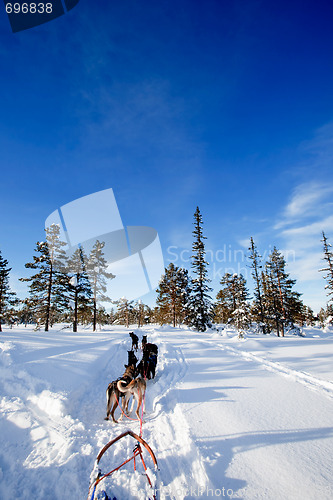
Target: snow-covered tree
[(328, 257), (309, 316), (124, 311), (242, 312), (7, 298), (200, 309), (232, 300), (96, 269), (140, 312), (173, 295), (325, 316), (79, 289), (48, 286), (25, 313), (281, 302)]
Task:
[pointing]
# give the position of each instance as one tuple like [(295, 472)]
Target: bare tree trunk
[(95, 316), (282, 306), (75, 310), (48, 302), (95, 305)]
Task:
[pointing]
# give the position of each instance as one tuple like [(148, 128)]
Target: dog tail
[(123, 387)]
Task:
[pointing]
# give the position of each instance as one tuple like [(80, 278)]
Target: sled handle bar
[(135, 436)]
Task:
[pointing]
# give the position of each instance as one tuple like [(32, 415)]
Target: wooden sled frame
[(136, 452)]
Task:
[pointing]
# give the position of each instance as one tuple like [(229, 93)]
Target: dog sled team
[(133, 381)]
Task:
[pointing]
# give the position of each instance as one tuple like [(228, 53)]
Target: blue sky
[(227, 105)]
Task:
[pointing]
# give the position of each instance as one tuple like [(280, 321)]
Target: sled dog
[(135, 388), (113, 394), (144, 341), (135, 340), (147, 366), (132, 359)]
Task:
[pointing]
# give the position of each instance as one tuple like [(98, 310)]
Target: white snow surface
[(235, 418)]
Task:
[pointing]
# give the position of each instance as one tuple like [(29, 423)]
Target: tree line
[(275, 305), (68, 290)]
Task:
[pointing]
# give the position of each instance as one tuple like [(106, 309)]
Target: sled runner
[(96, 488)]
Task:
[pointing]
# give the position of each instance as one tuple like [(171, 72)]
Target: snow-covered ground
[(226, 418)]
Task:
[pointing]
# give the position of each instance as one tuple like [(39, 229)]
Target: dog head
[(130, 371), (132, 359)]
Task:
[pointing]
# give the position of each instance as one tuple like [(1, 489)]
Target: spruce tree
[(79, 289), (97, 272), (200, 312), (328, 257), (226, 298), (242, 312), (258, 306), (7, 297), (232, 300), (173, 294), (48, 286), (270, 301), (282, 301)]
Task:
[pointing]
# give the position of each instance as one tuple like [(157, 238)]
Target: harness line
[(137, 450)]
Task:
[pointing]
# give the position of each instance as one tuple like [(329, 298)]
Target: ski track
[(314, 383)]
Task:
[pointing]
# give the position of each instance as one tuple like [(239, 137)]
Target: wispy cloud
[(308, 213), (308, 200), (304, 235)]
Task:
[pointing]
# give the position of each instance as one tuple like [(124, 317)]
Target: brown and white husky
[(135, 388)]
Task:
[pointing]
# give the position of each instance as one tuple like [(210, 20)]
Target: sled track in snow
[(311, 382), (165, 427), (167, 430)]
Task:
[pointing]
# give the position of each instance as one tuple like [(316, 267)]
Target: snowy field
[(226, 418)]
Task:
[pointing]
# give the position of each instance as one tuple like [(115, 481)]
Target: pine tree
[(270, 301), (7, 297), (242, 312), (184, 290), (257, 306), (328, 257), (322, 317), (124, 311), (309, 316), (173, 293), (283, 303), (232, 300), (226, 298), (329, 314), (96, 270), (140, 311), (325, 316), (48, 286), (26, 314), (79, 289), (200, 312)]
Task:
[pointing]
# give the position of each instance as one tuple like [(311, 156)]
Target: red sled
[(97, 490)]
